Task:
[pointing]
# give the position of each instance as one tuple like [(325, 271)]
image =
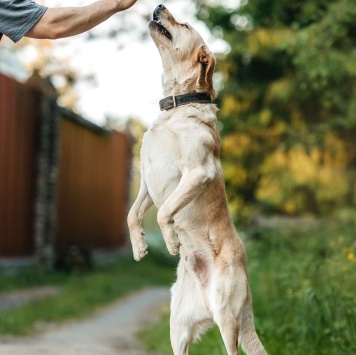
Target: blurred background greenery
[(287, 105)]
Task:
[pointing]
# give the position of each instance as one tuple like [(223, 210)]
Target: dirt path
[(109, 332), (15, 299)]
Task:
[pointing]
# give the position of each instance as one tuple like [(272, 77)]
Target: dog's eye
[(184, 25)]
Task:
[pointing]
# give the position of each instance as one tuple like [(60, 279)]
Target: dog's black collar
[(170, 102)]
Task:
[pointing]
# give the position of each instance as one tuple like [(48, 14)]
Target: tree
[(287, 104)]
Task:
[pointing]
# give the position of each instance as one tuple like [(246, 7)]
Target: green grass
[(79, 294), (303, 285)]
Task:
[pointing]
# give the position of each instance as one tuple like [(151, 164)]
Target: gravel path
[(109, 332)]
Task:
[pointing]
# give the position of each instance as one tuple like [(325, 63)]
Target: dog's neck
[(177, 83)]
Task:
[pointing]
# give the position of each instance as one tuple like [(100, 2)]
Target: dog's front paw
[(171, 239), (173, 246), (139, 245), (140, 251)]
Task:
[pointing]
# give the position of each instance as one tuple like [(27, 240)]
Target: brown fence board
[(18, 109), (93, 184), (93, 188)]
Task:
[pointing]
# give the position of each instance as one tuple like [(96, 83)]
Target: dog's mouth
[(160, 27)]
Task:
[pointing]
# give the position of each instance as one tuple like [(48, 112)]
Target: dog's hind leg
[(181, 336), (229, 328), (189, 316), (230, 297)]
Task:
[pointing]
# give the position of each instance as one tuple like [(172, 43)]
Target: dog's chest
[(160, 159)]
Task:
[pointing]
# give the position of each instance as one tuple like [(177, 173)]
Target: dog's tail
[(248, 337)]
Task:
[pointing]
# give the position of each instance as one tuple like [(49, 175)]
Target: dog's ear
[(207, 65)]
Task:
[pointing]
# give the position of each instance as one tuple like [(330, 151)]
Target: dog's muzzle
[(157, 21)]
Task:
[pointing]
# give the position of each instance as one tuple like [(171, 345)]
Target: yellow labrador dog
[(181, 174)]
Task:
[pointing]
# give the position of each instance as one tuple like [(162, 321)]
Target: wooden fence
[(18, 117), (63, 180), (93, 186)]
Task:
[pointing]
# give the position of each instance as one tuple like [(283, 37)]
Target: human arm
[(69, 21)]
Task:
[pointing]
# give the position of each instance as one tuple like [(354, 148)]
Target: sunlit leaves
[(288, 103), (295, 181)]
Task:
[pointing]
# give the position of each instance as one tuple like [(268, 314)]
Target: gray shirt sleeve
[(17, 17)]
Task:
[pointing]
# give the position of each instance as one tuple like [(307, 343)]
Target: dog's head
[(187, 61)]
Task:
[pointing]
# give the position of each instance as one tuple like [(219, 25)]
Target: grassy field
[(303, 285), (79, 294)]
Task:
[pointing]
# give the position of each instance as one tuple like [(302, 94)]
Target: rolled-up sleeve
[(17, 17)]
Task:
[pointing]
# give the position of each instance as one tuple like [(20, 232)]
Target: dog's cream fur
[(182, 176)]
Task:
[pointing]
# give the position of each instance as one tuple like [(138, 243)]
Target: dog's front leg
[(134, 219), (190, 186)]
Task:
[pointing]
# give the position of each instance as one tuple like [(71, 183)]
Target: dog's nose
[(157, 11)]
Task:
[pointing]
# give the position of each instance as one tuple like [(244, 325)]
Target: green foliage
[(288, 92), (79, 294), (303, 286), (303, 290)]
